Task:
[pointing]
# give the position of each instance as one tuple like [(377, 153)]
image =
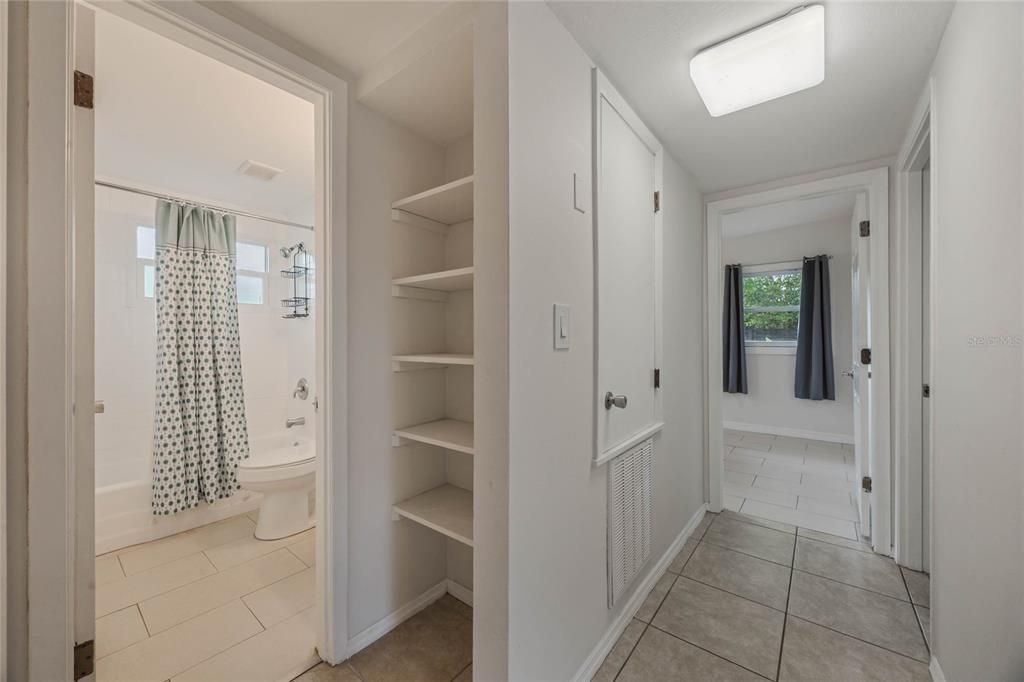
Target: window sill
[(771, 350)]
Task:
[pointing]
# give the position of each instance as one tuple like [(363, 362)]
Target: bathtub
[(124, 513)]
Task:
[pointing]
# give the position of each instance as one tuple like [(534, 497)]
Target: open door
[(860, 265), (83, 361)]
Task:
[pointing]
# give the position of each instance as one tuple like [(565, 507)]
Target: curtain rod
[(772, 262), (218, 209)]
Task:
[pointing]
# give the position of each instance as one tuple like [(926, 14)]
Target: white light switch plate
[(561, 326)]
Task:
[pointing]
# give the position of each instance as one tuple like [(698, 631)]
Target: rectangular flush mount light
[(777, 59)]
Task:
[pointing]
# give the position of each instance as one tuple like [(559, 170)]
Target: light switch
[(561, 326)]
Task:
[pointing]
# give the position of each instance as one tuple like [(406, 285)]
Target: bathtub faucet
[(294, 421)]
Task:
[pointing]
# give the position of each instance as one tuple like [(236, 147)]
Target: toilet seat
[(276, 465)]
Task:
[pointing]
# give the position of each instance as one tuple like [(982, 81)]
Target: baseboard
[(395, 618), (936, 671), (460, 592), (617, 626), (792, 433)]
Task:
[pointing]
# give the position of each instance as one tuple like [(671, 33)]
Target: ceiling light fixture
[(777, 59)]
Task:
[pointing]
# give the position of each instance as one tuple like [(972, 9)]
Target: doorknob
[(847, 373), (611, 400)]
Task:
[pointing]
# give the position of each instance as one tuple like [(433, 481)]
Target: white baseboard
[(936, 671), (617, 626), (460, 592), (395, 618), (793, 433)]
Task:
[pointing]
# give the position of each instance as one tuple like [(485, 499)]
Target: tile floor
[(807, 483), (212, 603), (752, 599)]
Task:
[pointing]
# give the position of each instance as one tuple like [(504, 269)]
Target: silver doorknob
[(847, 373), (611, 400)]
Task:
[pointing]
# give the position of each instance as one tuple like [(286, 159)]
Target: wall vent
[(260, 171), (629, 517)]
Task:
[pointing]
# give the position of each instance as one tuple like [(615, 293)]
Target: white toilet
[(285, 475)]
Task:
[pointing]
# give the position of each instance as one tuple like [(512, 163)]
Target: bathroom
[(204, 211)]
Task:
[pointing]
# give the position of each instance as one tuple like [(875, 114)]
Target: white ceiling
[(788, 214), (172, 119), (877, 59)]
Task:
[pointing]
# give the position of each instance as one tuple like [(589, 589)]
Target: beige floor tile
[(804, 491), (755, 579), (783, 456), (136, 588), (435, 644), (279, 653), (762, 494), (164, 655), (177, 606), (737, 465), (108, 569), (919, 585), (732, 502), (654, 598), (752, 539), (682, 556), (734, 628), (305, 550), (860, 569), (835, 540), (739, 478), (767, 523), (798, 517), (782, 472), (283, 599), (248, 548), (812, 653), (660, 656), (118, 630), (323, 672), (828, 482), (144, 557), (616, 658), (841, 509), (751, 456), (872, 617), (925, 616)]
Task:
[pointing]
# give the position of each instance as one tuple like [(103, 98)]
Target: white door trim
[(3, 339), (918, 149), (875, 184), (50, 229)]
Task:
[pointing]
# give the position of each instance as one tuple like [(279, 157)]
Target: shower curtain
[(200, 433)]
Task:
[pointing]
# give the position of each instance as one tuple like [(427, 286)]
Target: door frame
[(908, 417), (875, 185), (3, 339), (51, 230)]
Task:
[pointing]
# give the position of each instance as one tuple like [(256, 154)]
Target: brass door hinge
[(83, 90), (865, 228), (84, 654)]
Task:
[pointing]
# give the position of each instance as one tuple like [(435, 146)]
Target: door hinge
[(657, 378), (657, 201), (926, 391), (865, 228), (865, 483), (865, 356), (83, 90), (84, 659)]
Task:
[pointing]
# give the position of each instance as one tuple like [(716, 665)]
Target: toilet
[(285, 476)]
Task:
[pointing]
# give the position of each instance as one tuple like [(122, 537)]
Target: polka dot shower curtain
[(200, 434)]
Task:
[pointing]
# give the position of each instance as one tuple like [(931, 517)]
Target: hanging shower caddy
[(299, 273)]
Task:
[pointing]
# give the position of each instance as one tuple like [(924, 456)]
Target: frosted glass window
[(251, 257), (250, 290), (145, 242)]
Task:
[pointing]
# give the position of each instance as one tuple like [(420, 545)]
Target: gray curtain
[(815, 373), (734, 353), (200, 430)]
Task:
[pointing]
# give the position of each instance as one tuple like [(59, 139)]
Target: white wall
[(558, 608), (770, 402), (977, 402)]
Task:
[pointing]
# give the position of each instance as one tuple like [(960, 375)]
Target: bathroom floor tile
[(323, 672), (108, 569), (117, 595), (760, 494), (119, 630), (798, 517), (283, 599), (143, 557), (248, 548), (839, 509), (858, 545), (305, 550)]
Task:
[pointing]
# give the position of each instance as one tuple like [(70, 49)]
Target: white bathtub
[(124, 513)]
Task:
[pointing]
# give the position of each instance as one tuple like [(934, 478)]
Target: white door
[(861, 372), (926, 354), (626, 272), (84, 359)]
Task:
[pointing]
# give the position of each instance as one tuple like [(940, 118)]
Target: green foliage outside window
[(771, 306)]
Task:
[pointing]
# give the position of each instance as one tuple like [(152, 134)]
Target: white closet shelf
[(446, 509), (459, 279), (401, 363), (448, 204), (446, 433)]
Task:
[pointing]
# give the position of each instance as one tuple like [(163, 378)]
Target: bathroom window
[(251, 260)]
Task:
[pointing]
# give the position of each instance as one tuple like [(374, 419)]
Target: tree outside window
[(771, 305)]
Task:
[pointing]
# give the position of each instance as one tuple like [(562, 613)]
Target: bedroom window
[(771, 305)]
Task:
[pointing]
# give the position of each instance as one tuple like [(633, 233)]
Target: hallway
[(748, 599)]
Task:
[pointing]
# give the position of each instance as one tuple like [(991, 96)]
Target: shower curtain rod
[(219, 209)]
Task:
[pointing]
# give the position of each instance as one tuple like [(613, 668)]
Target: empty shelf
[(446, 509), (445, 433), (459, 279), (448, 204), (427, 360)]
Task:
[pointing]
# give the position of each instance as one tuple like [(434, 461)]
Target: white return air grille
[(629, 517)]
